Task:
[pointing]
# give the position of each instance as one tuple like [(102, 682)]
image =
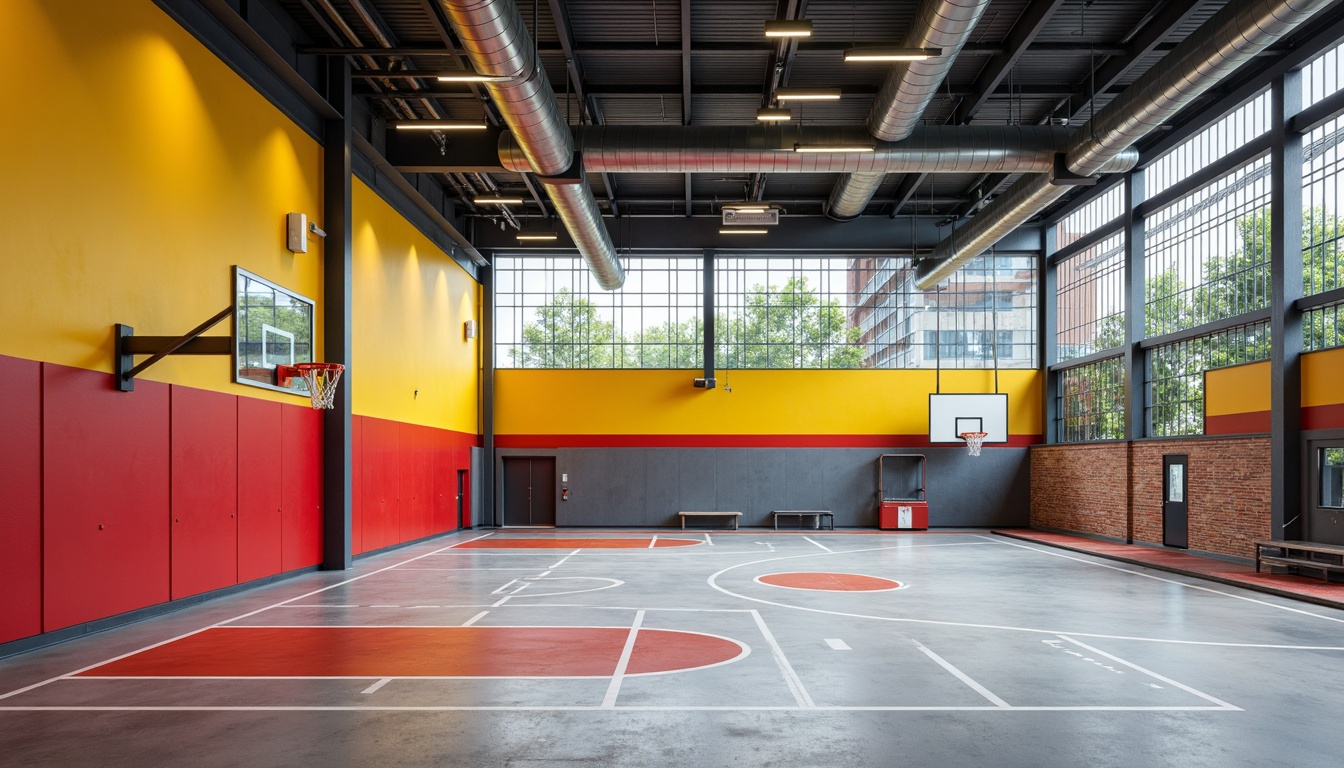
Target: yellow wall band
[(1237, 389)]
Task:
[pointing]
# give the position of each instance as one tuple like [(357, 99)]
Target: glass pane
[(1332, 477), (1176, 483)]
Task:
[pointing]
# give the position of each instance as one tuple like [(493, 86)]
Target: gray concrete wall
[(648, 486)]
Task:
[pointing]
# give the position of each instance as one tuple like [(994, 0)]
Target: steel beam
[(1285, 325), (337, 306), (1028, 26)]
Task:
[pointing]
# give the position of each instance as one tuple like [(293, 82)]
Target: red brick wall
[(1083, 488)]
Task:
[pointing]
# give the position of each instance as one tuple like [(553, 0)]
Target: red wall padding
[(357, 486), (20, 498), (204, 491), (105, 491), (259, 489), (301, 486), (379, 467), (416, 482)]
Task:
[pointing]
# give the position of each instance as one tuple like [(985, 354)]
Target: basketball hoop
[(974, 441), (321, 379)]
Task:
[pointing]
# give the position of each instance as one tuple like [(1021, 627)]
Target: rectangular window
[(1323, 327), (1322, 185), (1331, 462), (1206, 147), (550, 313), (1175, 378), (1091, 402), (1090, 299), (1091, 217), (1323, 77)]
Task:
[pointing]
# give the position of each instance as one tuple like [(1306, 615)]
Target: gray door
[(1175, 501), (1325, 499), (529, 491)]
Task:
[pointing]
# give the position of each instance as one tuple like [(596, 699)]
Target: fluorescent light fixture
[(740, 231), (497, 200), (785, 28), (773, 115), (538, 236), (471, 77), (746, 207), (892, 54), (440, 125), (833, 148), (807, 94)]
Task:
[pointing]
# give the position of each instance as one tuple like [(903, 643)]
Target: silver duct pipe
[(770, 149), (1227, 40), (496, 40), (909, 88)]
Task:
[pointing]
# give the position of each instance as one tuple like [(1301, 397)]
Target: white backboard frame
[(952, 414)]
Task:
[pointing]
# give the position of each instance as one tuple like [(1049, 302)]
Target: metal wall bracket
[(128, 345), (1061, 176)]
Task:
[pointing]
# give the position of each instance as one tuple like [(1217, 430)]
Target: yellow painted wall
[(660, 402), (137, 169), (410, 303), (1323, 377), (1237, 389)]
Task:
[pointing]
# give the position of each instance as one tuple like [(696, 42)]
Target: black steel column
[(1285, 357), (1136, 299), (337, 303), (708, 285), (1048, 339), (489, 515)]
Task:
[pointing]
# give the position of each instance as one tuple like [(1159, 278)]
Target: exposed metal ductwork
[(770, 149), (497, 42), (1230, 38), (909, 87)]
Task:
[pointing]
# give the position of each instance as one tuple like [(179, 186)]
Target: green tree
[(668, 345), (567, 333), (788, 327)]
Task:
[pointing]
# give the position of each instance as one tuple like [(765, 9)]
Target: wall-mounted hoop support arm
[(128, 345)]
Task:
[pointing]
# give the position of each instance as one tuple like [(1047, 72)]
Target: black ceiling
[(1027, 62)]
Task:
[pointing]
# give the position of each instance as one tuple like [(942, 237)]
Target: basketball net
[(974, 441), (321, 379)]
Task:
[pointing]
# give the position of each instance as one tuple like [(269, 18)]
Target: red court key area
[(368, 652), (830, 582), (493, 543)]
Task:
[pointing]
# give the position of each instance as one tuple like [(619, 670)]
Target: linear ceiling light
[(833, 148), (539, 236), (497, 200), (440, 125), (892, 54), (786, 28), (740, 231), (471, 77), (773, 115), (807, 94), (747, 207)]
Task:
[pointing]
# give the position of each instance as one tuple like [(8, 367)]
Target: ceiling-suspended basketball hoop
[(321, 379), (974, 441)]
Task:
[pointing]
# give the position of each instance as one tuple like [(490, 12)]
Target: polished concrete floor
[(531, 648)]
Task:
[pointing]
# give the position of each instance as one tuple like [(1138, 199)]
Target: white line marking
[(1152, 674), (541, 575), (249, 614), (708, 540), (374, 708), (384, 606), (475, 618), (566, 557), (653, 541), (373, 688), (1000, 540), (838, 645), (617, 677), (819, 544), (500, 591), (502, 601), (963, 677), (790, 676), (520, 588)]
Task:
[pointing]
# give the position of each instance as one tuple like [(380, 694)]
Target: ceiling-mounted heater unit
[(753, 217)]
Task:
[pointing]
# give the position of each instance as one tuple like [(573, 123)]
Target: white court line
[(963, 677), (475, 618), (320, 590), (1001, 540), (819, 544), (617, 677), (1152, 674), (838, 644), (541, 575), (708, 540), (500, 591), (790, 676), (653, 541), (373, 688), (502, 601), (542, 708), (566, 557)]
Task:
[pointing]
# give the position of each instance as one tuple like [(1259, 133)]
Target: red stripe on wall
[(739, 441), (1250, 423), (1323, 416)]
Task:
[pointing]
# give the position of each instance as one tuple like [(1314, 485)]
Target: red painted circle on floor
[(830, 582)]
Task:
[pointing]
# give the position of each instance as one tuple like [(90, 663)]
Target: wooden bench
[(818, 517), (734, 515), (1326, 558)]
